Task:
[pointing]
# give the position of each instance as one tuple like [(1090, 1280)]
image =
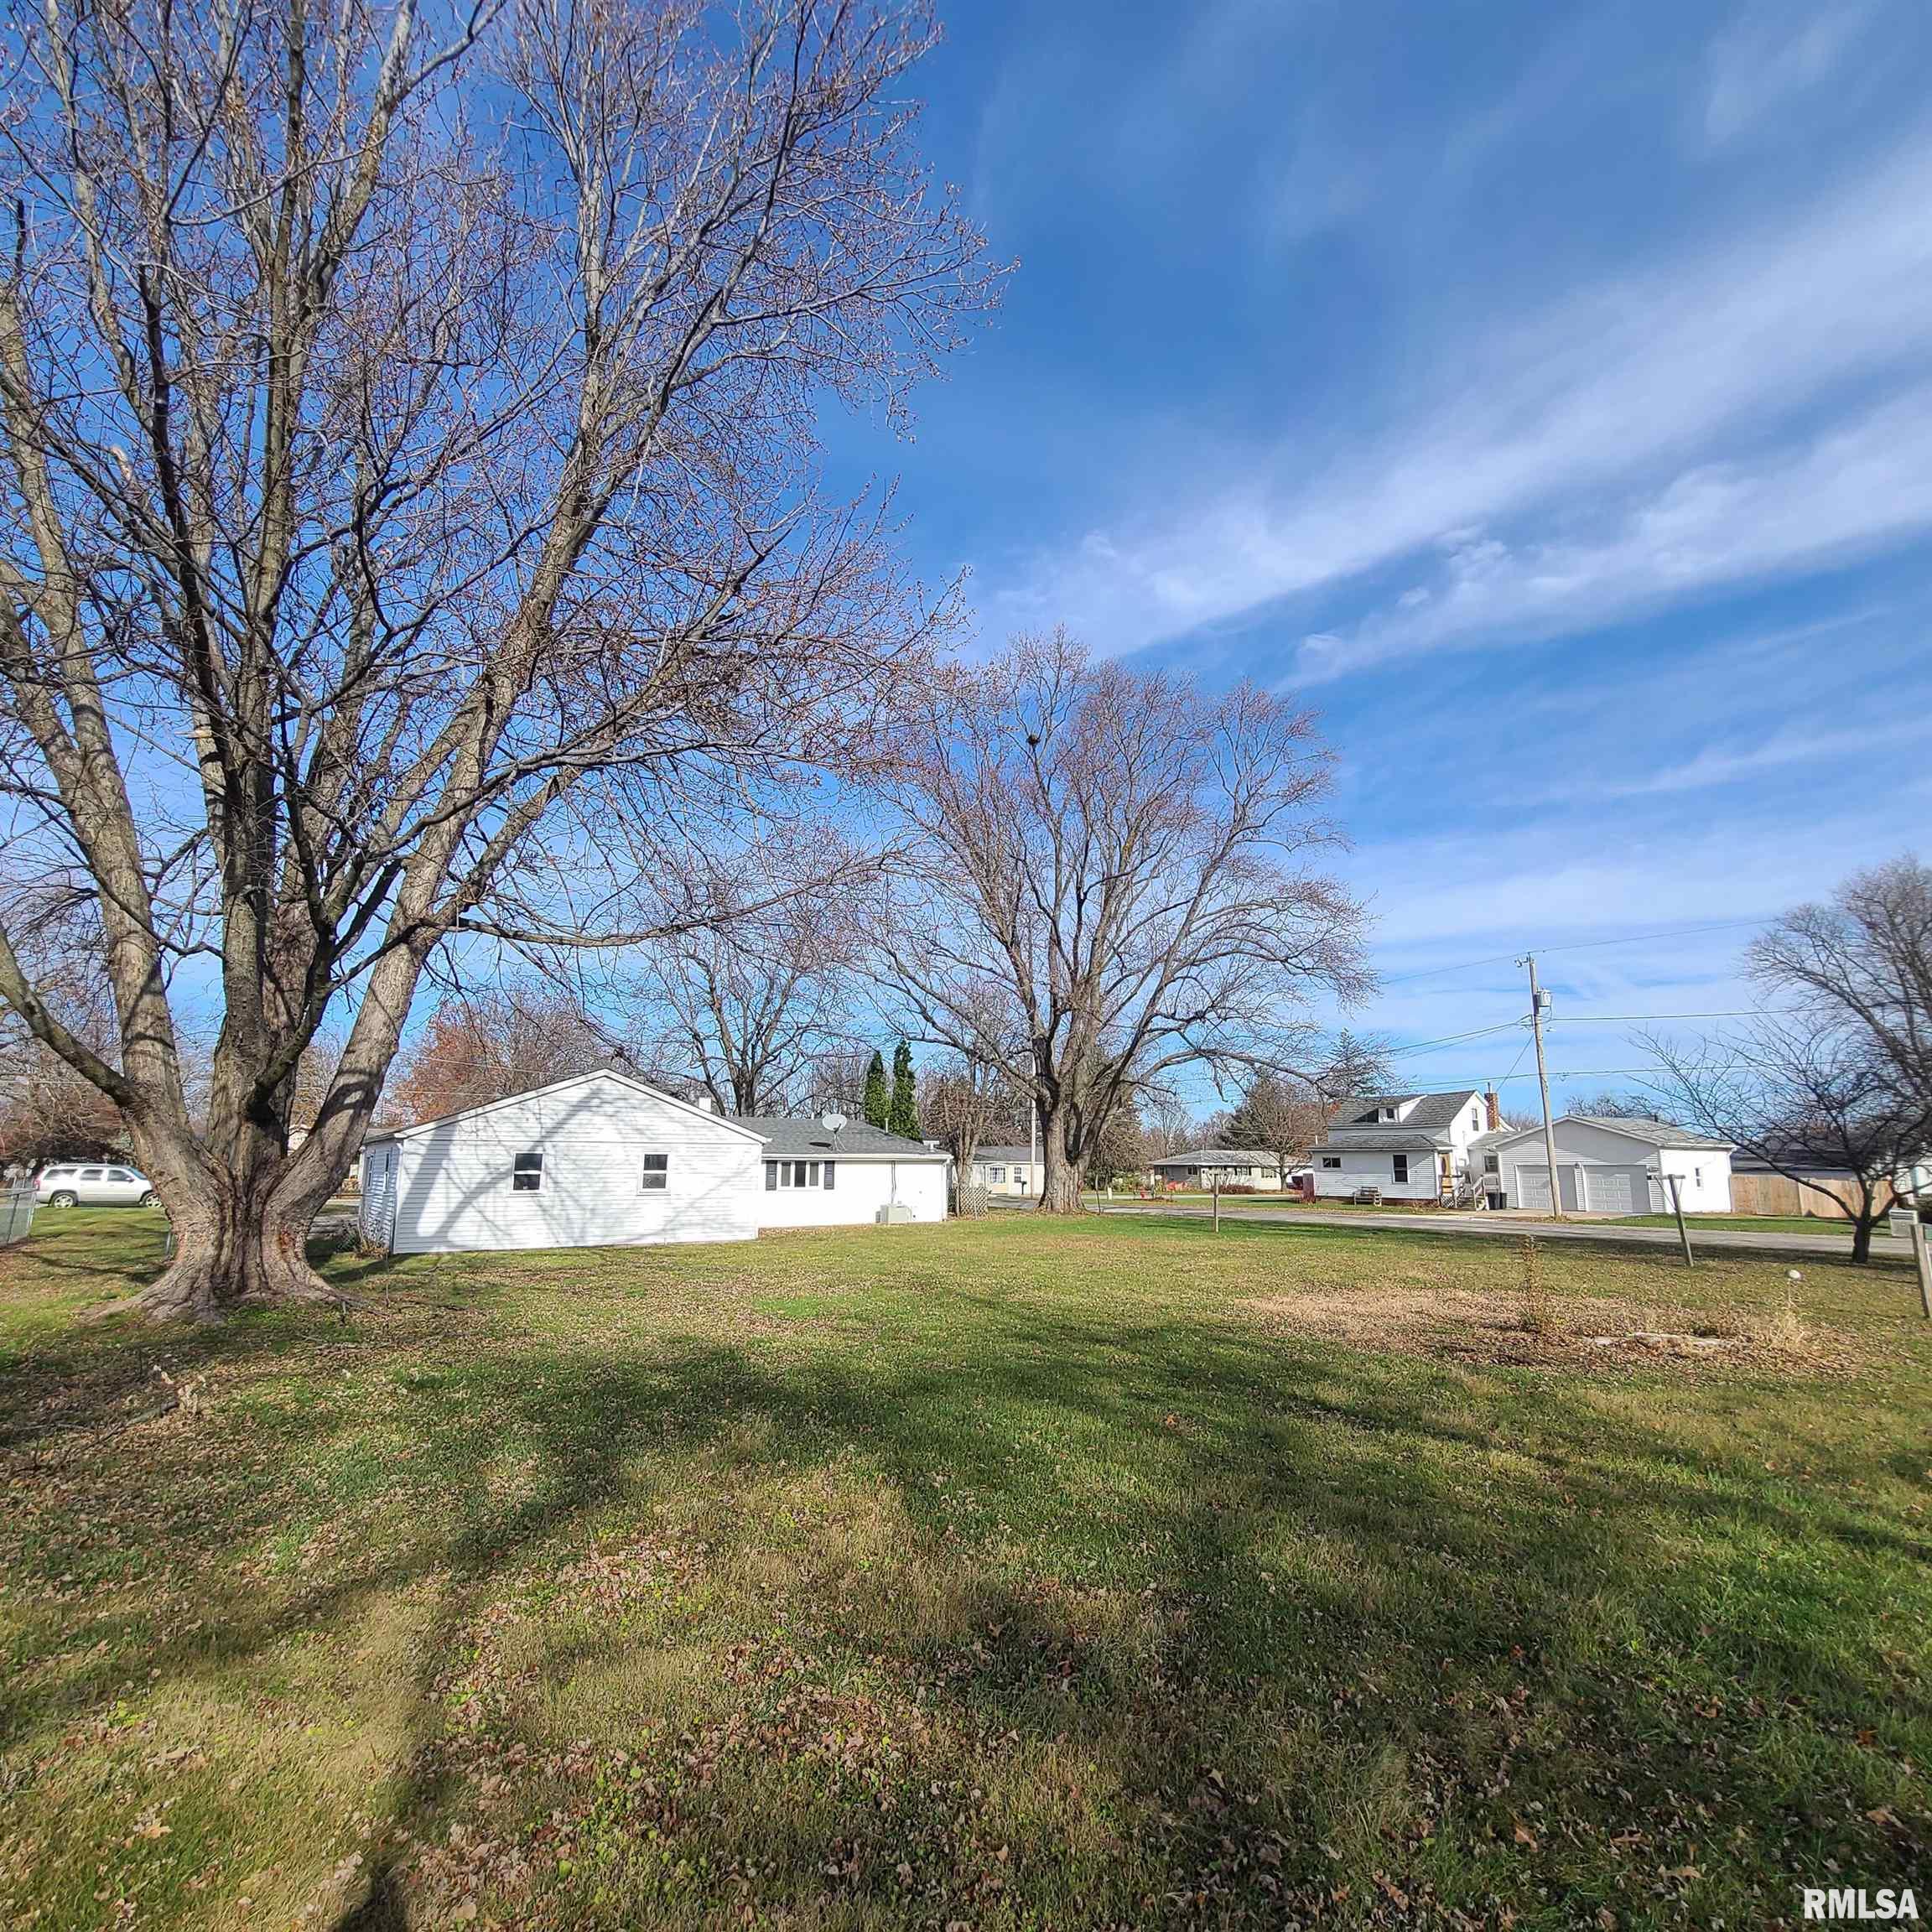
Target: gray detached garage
[(1606, 1167)]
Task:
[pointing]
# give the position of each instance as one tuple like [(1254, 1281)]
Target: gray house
[(1231, 1166)]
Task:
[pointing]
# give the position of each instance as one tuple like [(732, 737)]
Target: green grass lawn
[(1748, 1224), (996, 1575)]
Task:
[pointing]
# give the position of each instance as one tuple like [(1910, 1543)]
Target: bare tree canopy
[(1863, 959), (1107, 875), (753, 995), (1799, 1098), (964, 1102), (407, 523), (484, 1045)]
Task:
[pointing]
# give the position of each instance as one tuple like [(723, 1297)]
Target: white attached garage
[(1606, 1167)]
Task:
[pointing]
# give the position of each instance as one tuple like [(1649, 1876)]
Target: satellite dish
[(831, 1122)]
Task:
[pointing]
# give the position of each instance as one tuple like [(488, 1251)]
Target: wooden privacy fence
[(16, 1214), (1778, 1194)]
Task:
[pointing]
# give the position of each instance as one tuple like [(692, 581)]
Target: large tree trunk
[(240, 1233), (1060, 1191)]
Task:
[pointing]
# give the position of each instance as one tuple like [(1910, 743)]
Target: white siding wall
[(860, 1189), (1378, 1171), (453, 1184), (1705, 1182)]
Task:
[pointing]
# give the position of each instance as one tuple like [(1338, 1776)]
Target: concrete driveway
[(1512, 1226)]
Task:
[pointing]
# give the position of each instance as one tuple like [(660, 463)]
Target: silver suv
[(97, 1184)]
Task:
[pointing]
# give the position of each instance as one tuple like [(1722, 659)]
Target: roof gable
[(608, 1075), (1428, 1113)]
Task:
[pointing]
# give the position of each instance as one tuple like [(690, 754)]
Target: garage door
[(1617, 1190), (1533, 1187)]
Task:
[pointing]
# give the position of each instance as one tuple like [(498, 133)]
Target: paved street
[(1513, 1226)]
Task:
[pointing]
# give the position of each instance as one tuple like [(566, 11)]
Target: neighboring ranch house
[(1017, 1172), (1406, 1146), (1205, 1167), (603, 1160), (1606, 1167)]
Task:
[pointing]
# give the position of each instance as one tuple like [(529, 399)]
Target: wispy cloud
[(1771, 53), (1675, 381), (1844, 494)]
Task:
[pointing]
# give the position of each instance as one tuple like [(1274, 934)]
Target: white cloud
[(1851, 491), (1654, 373), (1770, 54)]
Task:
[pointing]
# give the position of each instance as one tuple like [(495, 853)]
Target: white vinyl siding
[(453, 1187), (862, 1188)]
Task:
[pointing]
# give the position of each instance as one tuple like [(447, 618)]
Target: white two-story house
[(1407, 1146)]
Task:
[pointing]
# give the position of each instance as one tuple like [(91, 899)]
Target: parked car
[(94, 1184)]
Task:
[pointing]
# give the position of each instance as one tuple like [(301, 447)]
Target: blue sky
[(1544, 392)]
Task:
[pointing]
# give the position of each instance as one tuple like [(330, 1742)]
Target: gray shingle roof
[(1218, 1157), (789, 1137), (1432, 1112), (1658, 1133), (1655, 1133), (1024, 1155), (1396, 1140)]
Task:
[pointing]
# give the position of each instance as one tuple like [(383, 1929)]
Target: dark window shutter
[(829, 1166), (771, 1176)]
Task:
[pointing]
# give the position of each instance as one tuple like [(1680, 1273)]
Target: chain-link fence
[(17, 1206)]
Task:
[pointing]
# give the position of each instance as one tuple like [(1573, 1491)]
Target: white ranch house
[(1606, 1167), (1018, 1173), (1406, 1146), (603, 1160)]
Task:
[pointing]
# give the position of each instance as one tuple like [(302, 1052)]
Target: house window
[(1000, 1176), (1388, 1114), (526, 1176), (1401, 1162), (657, 1174), (1331, 1159), (1491, 1164), (1020, 1176), (794, 1174)]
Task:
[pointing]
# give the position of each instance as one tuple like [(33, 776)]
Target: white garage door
[(1533, 1188), (1617, 1190)]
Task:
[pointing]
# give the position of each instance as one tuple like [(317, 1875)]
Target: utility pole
[(1538, 997)]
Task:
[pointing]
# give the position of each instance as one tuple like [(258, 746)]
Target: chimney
[(702, 1104), (1495, 1109)]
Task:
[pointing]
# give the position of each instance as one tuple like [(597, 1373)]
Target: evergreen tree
[(878, 1098), (904, 1118)]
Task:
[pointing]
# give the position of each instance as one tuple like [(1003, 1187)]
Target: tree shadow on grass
[(1307, 1520)]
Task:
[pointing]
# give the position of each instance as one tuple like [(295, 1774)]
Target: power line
[(1576, 946)]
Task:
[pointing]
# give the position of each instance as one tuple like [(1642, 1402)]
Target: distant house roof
[(1395, 1140), (1024, 1155), (1430, 1113), (1651, 1133), (802, 1137), (1218, 1157)]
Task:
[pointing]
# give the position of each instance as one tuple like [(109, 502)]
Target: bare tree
[(484, 1046), (1612, 1105), (1106, 877), (1167, 1123), (1798, 1097), (964, 1101), (1864, 959), (408, 522), (1282, 1117), (754, 993)]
